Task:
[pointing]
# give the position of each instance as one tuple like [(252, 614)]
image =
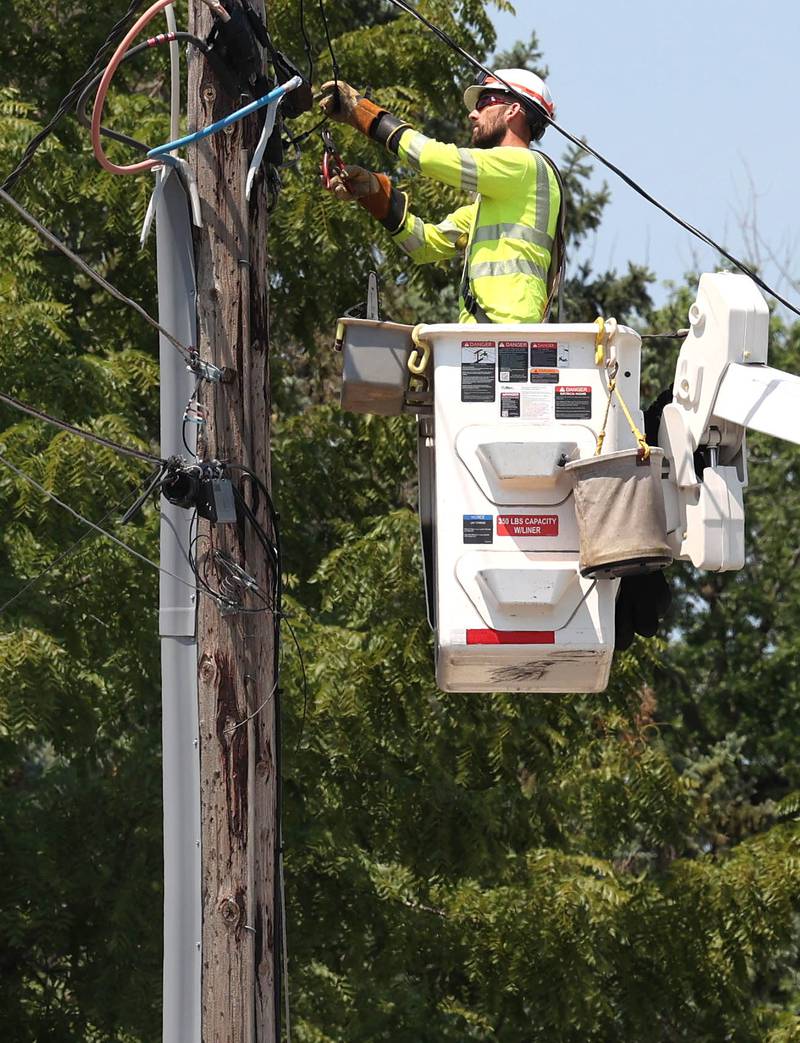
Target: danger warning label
[(544, 353), (527, 525), (512, 361), (478, 359), (573, 403)]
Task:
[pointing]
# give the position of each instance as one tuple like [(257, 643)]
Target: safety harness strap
[(557, 254), (468, 297)]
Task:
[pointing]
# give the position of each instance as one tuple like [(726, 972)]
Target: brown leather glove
[(372, 191), (353, 183), (344, 104)]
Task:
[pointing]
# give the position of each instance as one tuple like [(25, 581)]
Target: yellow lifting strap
[(612, 366), (416, 364), (600, 341)]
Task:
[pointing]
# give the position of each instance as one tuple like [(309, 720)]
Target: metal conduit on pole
[(177, 628)]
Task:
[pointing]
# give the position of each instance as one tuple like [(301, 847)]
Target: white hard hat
[(528, 84)]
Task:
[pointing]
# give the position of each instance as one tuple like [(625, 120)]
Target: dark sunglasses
[(487, 99)]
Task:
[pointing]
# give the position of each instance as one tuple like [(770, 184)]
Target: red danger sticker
[(527, 525), (573, 403)]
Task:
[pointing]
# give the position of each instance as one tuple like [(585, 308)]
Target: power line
[(450, 42), (154, 41), (88, 435), (56, 561), (306, 41), (336, 74), (53, 239), (68, 100), (92, 525)]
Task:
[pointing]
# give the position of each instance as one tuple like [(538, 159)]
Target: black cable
[(273, 547), (80, 107), (336, 74), (601, 158), (214, 558), (183, 437), (193, 398), (266, 543), (301, 658), (66, 103), (90, 524), (56, 562), (202, 585), (306, 41), (39, 414), (307, 133), (53, 239), (677, 335)]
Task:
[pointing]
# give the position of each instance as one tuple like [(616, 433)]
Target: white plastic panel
[(761, 398), (517, 590), (523, 669), (714, 534), (512, 612), (524, 463)]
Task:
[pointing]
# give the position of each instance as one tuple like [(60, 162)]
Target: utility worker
[(512, 233)]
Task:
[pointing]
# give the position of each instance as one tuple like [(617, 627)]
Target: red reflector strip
[(511, 637)]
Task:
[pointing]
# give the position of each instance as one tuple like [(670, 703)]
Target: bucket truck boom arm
[(722, 386)]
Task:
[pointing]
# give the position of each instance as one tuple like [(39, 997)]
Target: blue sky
[(697, 101)]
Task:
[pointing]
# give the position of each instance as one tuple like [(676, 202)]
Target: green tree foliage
[(622, 867)]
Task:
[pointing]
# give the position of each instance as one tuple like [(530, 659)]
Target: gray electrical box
[(375, 375)]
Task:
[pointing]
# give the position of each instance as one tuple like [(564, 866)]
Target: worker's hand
[(354, 183), (340, 101)]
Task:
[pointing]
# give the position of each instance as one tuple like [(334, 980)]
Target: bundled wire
[(154, 41), (102, 91), (272, 550), (68, 100), (108, 75), (450, 42)]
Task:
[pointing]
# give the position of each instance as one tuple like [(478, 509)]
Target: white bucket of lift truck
[(619, 505)]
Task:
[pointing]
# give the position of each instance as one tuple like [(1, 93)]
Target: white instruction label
[(537, 404)]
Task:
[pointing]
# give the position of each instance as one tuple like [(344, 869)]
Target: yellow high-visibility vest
[(508, 232)]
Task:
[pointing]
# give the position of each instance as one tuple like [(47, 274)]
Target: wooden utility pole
[(236, 652)]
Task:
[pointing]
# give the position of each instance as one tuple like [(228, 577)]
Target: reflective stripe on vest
[(512, 238), (492, 233), (451, 231), (515, 266), (469, 171), (416, 240), (526, 304)]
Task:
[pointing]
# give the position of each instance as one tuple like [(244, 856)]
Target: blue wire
[(226, 121)]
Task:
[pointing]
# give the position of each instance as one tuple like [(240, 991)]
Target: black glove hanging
[(642, 603)]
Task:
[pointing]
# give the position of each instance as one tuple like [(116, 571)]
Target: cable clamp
[(205, 370), (236, 570)]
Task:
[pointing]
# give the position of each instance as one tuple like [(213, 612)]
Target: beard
[(488, 137)]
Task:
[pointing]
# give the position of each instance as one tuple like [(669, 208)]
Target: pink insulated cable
[(102, 91)]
